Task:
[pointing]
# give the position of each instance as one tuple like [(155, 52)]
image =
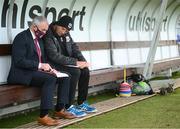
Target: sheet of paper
[(75, 66), (60, 74)]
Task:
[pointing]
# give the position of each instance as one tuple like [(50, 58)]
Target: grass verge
[(156, 112)]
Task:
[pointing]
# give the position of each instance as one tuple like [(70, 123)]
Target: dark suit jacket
[(54, 48), (24, 58)]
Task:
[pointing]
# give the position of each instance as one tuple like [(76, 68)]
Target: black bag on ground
[(140, 86)]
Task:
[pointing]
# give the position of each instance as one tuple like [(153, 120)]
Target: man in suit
[(29, 67), (65, 55)]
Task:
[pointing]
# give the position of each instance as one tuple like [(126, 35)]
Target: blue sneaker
[(76, 112), (87, 108)]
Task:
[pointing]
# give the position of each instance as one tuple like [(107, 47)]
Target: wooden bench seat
[(16, 94)]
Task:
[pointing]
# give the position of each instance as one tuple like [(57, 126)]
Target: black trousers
[(47, 83), (80, 77)]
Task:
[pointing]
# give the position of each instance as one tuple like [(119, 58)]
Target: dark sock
[(80, 102), (59, 107), (67, 106), (43, 112)]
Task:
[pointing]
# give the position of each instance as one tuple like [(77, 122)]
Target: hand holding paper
[(56, 73), (59, 74)]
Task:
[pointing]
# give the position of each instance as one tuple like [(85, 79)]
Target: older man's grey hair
[(38, 19)]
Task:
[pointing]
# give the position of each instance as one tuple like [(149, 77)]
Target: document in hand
[(75, 66), (60, 74)]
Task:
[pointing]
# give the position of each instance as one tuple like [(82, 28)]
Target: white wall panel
[(154, 15), (170, 7), (100, 59), (148, 25), (165, 52), (158, 55), (3, 36), (172, 24), (120, 57), (144, 54), (87, 56), (58, 5), (174, 51), (100, 18), (118, 21), (82, 35), (5, 62), (134, 56), (99, 25), (132, 33)]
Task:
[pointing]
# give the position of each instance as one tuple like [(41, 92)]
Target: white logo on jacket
[(68, 39)]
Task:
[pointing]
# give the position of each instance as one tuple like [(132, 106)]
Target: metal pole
[(155, 40)]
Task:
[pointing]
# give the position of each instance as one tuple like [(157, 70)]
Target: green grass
[(156, 112), (176, 75), (21, 119)]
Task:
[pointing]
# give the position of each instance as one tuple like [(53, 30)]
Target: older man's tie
[(38, 49)]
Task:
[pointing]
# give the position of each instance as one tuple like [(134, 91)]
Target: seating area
[(13, 95)]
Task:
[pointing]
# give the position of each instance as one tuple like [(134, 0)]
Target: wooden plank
[(102, 107), (108, 75), (88, 46), (140, 44), (16, 94), (5, 49), (162, 65)]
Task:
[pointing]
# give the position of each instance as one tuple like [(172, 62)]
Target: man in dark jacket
[(64, 55), (29, 67)]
